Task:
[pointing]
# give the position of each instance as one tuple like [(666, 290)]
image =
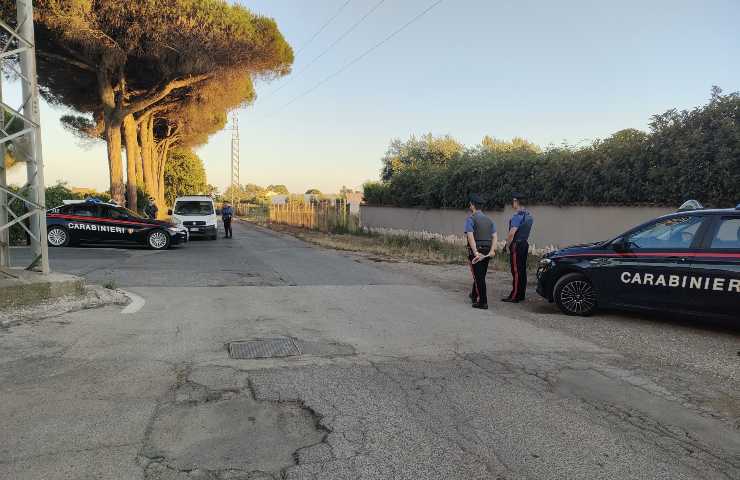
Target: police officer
[(226, 215), (151, 208), (520, 227), (480, 232)]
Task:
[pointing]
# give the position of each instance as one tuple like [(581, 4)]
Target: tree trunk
[(139, 164), (146, 142), (115, 162), (112, 134), (132, 160), (161, 162)]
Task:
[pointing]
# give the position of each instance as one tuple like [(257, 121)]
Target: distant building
[(276, 199), (354, 200)]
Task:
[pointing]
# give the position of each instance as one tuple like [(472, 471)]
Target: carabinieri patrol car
[(686, 262), (93, 221)]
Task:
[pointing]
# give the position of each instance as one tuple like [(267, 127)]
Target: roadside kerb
[(21, 287)]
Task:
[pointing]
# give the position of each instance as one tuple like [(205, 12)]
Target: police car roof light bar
[(690, 205)]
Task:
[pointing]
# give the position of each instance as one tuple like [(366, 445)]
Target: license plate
[(195, 229)]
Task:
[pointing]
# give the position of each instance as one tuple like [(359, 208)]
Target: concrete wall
[(557, 226)]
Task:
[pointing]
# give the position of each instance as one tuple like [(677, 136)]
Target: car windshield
[(674, 232), (193, 207)]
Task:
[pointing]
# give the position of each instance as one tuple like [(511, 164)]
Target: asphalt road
[(397, 377)]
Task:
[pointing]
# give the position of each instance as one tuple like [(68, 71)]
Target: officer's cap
[(476, 199), (518, 196)]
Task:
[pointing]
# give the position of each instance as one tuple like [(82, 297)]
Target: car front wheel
[(575, 295), (57, 237), (158, 240)]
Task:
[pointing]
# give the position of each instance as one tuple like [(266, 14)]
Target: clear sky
[(548, 71)]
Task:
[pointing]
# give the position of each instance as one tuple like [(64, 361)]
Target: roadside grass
[(395, 247)]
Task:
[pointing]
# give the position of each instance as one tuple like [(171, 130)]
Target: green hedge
[(686, 154)]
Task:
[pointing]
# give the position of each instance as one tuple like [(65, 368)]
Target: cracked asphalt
[(399, 378)]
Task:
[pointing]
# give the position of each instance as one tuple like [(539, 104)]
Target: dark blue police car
[(686, 262), (93, 221)]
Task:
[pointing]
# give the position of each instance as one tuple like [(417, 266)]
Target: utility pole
[(23, 133), (234, 157)]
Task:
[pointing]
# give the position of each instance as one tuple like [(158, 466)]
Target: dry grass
[(387, 247)]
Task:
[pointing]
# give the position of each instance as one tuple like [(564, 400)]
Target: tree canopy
[(491, 144), (151, 63), (247, 193), (424, 152), (184, 174), (279, 189)]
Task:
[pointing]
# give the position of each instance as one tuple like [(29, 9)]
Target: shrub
[(687, 154)]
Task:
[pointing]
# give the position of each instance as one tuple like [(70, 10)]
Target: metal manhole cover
[(264, 348)]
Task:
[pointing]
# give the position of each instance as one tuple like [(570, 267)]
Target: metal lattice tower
[(234, 157), (22, 133)]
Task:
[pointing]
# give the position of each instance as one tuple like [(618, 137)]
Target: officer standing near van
[(517, 241), (227, 213), (480, 232)]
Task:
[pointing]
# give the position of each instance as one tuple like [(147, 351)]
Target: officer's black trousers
[(479, 271), (518, 260), (227, 227)]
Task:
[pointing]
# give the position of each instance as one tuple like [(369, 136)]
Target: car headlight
[(545, 263), (173, 229)]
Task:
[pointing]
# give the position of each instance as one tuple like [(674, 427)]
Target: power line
[(359, 57), (321, 29), (326, 50)]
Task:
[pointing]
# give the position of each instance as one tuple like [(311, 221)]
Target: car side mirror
[(169, 212), (620, 245)]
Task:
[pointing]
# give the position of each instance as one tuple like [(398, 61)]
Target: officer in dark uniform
[(151, 208), (227, 213), (480, 232), (520, 227)]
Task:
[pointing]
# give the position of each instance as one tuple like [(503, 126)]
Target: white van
[(197, 214)]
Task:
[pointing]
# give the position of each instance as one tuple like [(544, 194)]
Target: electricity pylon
[(234, 157), (22, 133)]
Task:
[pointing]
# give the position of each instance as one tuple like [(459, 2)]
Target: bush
[(374, 193), (687, 154), (55, 196)]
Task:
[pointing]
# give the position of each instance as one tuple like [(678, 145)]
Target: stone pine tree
[(188, 122), (115, 59)]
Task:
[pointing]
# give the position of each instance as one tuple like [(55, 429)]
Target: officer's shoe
[(482, 306), (510, 300)]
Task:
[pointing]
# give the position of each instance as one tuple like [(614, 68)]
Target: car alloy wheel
[(158, 240), (575, 295), (57, 237)]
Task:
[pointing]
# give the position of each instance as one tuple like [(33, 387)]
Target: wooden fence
[(331, 218)]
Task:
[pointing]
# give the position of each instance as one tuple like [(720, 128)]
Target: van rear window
[(193, 207)]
